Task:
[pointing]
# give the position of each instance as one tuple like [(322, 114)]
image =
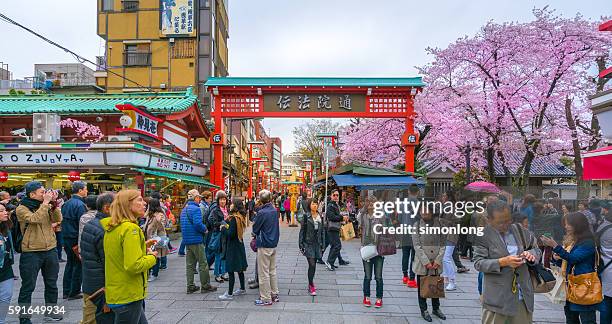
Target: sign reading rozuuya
[(136, 120), (323, 102)]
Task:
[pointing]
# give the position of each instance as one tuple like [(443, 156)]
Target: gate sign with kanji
[(137, 120)]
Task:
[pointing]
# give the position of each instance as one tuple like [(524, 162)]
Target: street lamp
[(259, 173), (310, 170), (251, 143)]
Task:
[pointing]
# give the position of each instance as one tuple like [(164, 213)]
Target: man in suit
[(500, 255)]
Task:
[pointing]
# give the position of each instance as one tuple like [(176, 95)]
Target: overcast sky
[(290, 38)]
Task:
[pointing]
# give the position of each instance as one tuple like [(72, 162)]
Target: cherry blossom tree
[(88, 132), (500, 91)]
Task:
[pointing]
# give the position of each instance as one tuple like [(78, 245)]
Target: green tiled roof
[(161, 102), (329, 82), (182, 177)]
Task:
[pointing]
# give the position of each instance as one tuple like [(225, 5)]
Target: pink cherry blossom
[(88, 132)]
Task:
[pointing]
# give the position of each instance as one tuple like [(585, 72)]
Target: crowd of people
[(120, 241)]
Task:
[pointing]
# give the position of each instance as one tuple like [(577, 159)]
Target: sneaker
[(226, 296), (225, 277), (260, 302), (439, 314), (254, 285), (405, 280), (344, 262), (251, 281), (329, 266), (463, 270), (53, 318), (219, 279), (239, 292), (75, 297), (181, 255), (208, 288), (313, 290), (192, 289), (152, 278), (367, 302), (172, 251), (412, 284), (378, 303), (275, 299), (451, 286)]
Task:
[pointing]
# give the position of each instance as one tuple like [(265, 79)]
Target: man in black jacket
[(334, 221), (72, 211), (92, 254)]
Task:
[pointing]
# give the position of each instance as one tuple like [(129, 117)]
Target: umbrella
[(483, 186)]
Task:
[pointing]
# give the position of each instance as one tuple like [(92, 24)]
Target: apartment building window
[(130, 5), (137, 55), (107, 5), (183, 48)]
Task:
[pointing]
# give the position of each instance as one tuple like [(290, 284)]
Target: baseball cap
[(193, 193)]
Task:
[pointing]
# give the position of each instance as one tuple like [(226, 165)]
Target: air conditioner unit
[(162, 86), (45, 127), (118, 138)]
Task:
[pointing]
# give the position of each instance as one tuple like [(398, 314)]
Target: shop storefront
[(145, 142)]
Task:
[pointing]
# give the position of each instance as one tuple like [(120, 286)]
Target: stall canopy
[(598, 164), (180, 177), (375, 182)]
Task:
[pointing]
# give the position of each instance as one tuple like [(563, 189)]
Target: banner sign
[(176, 17), (320, 102), (139, 121), (52, 159)]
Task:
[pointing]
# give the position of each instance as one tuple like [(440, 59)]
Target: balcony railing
[(71, 82), (137, 58), (130, 5), (16, 84)]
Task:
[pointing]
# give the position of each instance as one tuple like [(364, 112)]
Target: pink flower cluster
[(88, 132)]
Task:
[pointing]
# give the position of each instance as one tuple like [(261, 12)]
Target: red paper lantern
[(4, 176), (74, 176)]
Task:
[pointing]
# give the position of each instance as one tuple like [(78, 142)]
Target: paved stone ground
[(338, 301)]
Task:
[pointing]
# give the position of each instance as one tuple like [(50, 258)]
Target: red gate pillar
[(217, 171), (408, 147)]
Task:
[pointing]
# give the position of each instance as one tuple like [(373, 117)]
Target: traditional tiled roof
[(160, 103), (330, 82), (542, 166)]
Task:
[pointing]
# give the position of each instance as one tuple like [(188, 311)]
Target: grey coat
[(497, 283), (427, 247)]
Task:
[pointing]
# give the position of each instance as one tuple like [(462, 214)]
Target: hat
[(32, 186), (193, 193)]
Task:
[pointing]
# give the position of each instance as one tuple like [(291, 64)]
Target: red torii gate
[(238, 97)]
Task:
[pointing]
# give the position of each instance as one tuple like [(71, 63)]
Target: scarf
[(32, 204), (317, 221), (241, 224)]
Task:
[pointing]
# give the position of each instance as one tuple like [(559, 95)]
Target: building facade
[(162, 45)]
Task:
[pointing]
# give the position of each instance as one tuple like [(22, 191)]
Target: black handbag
[(543, 279)]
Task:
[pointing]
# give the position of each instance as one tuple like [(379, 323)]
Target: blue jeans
[(155, 269), (164, 262), (6, 293), (182, 248), (60, 243), (73, 271), (374, 265), (605, 310), (219, 265), (210, 255)]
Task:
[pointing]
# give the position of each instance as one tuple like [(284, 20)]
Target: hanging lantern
[(153, 186), (4, 176), (74, 176)]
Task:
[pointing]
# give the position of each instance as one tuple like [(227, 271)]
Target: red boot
[(405, 280), (366, 302)]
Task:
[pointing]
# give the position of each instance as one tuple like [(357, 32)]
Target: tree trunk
[(490, 154), (583, 186)]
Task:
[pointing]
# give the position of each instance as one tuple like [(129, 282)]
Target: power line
[(78, 57)]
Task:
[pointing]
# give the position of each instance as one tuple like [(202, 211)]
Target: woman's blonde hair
[(120, 208)]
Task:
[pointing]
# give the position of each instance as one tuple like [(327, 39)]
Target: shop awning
[(181, 177), (375, 182), (598, 164)]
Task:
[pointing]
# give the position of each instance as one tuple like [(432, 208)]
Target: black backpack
[(16, 232)]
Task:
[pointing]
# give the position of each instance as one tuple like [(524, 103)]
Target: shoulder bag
[(543, 279), (585, 289), (431, 286)]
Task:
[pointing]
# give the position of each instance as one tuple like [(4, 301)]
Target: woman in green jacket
[(127, 258)]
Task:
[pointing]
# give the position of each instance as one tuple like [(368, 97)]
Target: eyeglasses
[(335, 195)]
